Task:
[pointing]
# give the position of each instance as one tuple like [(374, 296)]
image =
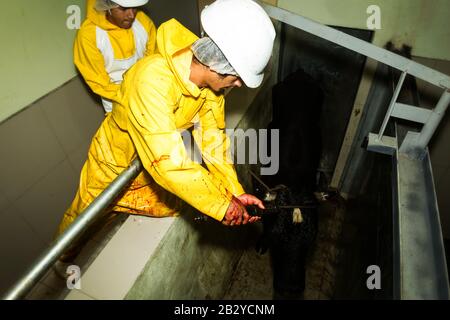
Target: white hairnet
[(208, 53), (105, 5)]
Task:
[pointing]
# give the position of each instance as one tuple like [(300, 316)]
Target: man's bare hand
[(237, 214), (234, 213), (248, 200)]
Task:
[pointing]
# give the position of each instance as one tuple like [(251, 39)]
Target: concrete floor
[(252, 279), (253, 276)]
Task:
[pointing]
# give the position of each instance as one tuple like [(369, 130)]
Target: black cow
[(297, 105)]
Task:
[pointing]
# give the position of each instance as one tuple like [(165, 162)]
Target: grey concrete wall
[(43, 150), (195, 260), (360, 161)]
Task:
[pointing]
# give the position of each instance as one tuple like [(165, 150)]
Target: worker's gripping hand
[(249, 200), (237, 214)]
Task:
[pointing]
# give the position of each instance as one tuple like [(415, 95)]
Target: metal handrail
[(415, 144), (357, 45), (73, 232)]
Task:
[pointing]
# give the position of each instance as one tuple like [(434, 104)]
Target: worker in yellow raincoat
[(181, 85), (114, 36)]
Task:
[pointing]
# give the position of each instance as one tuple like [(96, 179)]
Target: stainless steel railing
[(73, 232)]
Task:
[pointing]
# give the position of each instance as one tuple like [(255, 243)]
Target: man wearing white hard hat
[(181, 85), (114, 36)]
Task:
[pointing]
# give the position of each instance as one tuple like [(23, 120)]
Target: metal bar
[(365, 48), (392, 104), (385, 145), (259, 180), (73, 232), (422, 266), (411, 113), (435, 118)]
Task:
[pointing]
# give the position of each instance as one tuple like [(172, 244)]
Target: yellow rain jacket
[(157, 100), (90, 61)]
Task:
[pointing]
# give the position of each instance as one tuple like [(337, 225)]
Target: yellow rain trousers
[(157, 101), (88, 58)]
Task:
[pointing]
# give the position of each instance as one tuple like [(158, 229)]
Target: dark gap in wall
[(337, 70), (186, 12), (367, 237)]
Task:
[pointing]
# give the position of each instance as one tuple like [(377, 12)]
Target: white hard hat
[(130, 3), (244, 33)]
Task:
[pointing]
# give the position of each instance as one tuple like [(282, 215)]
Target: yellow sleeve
[(151, 30), (152, 128), (89, 61), (214, 143)]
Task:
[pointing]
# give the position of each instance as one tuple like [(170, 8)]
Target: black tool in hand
[(273, 209), (251, 210), (258, 212)]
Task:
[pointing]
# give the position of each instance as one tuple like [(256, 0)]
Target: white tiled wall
[(19, 245), (41, 204), (43, 150), (31, 151), (3, 201)]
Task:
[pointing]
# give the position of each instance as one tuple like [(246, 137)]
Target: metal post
[(433, 122), (73, 232), (392, 104)]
